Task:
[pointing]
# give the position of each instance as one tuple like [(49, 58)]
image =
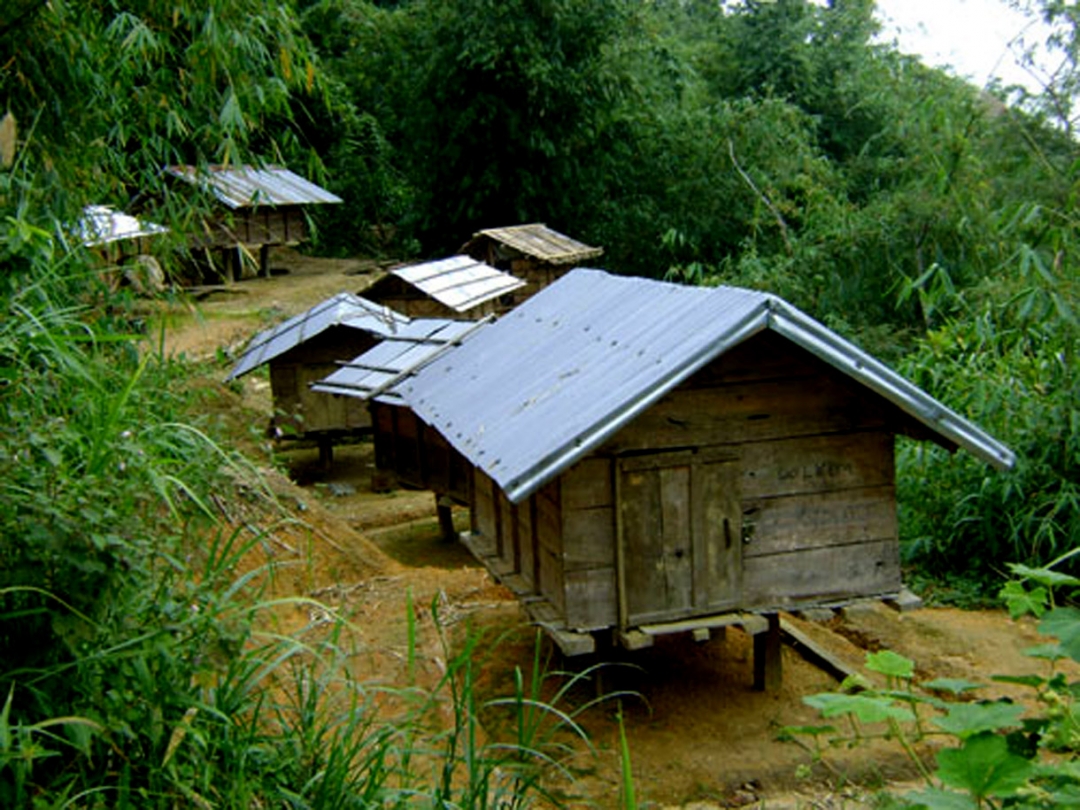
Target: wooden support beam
[(635, 639), (264, 261), (904, 601), (768, 672), (326, 453), (572, 643), (446, 518), (750, 622)]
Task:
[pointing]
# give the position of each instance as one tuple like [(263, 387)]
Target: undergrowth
[(142, 666), (971, 751)]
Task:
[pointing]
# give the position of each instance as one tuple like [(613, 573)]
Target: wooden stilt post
[(326, 453), (264, 261), (446, 518), (768, 675)]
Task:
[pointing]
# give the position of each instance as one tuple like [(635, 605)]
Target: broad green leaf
[(1067, 796), (1044, 576), (954, 685), (1059, 769), (866, 708), (935, 799), (890, 664), (1064, 624), (984, 767), (1020, 601), (1049, 652), (967, 719), (1061, 622), (1034, 681)]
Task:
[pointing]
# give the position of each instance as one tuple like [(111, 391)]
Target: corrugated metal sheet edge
[(563, 458), (387, 392), (263, 339), (484, 298), (848, 358)]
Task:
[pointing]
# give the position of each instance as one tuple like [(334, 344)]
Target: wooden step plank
[(814, 652)]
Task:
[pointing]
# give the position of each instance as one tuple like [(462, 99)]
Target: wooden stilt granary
[(457, 287), (534, 253), (649, 458), (259, 208), (414, 453), (305, 349)]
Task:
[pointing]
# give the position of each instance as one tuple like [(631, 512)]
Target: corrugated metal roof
[(540, 242), (102, 224), (530, 395), (459, 282), (343, 309), (375, 372), (248, 186)]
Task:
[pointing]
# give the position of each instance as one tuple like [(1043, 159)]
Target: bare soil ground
[(699, 735)]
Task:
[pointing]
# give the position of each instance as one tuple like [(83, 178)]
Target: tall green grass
[(142, 667)]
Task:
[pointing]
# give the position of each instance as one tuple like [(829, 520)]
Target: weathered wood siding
[(764, 481), (417, 455), (535, 274), (587, 505), (284, 225), (296, 406), (817, 469)]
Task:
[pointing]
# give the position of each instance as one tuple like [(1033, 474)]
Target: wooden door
[(679, 536)]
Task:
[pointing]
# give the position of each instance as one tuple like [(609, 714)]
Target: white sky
[(971, 36)]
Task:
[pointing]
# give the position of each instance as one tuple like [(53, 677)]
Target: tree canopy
[(775, 145)]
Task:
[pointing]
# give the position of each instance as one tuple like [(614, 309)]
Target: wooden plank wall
[(291, 373), (818, 494), (819, 516), (417, 454), (536, 276), (285, 225), (526, 540), (324, 412), (588, 529)]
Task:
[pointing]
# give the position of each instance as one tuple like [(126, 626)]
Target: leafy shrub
[(1009, 362), (996, 753)]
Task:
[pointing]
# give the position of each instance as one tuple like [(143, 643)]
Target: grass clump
[(142, 662)]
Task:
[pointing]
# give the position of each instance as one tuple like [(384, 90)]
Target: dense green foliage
[(773, 145), (768, 144)]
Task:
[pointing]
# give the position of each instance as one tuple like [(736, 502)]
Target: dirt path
[(699, 735)]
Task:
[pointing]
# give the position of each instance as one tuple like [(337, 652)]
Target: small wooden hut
[(122, 242), (305, 349), (415, 454), (261, 208), (534, 253), (649, 458), (457, 287)]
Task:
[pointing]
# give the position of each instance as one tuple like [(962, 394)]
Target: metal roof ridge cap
[(528, 483), (811, 334)]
